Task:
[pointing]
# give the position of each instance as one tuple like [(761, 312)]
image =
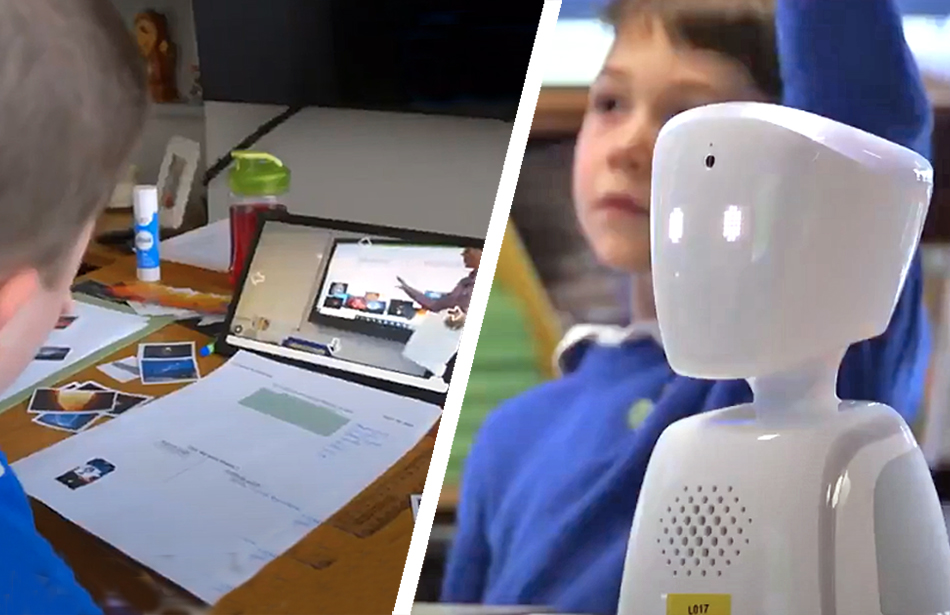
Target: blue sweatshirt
[(552, 481), (33, 579)]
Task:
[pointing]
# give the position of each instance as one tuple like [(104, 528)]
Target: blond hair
[(72, 107)]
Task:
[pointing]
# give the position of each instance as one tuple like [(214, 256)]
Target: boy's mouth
[(622, 203)]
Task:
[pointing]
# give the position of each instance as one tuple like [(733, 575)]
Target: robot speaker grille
[(704, 531)]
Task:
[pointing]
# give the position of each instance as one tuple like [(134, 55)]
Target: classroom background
[(548, 280)]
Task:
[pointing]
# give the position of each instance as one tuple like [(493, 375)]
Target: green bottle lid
[(258, 174)]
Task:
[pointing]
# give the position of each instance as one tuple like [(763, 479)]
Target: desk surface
[(353, 563)]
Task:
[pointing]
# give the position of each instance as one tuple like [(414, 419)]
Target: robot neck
[(805, 392)]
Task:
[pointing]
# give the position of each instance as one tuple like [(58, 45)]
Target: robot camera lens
[(710, 161)]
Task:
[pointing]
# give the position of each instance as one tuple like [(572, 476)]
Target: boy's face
[(29, 311), (646, 80)]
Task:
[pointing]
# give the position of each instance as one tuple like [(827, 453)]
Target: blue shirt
[(552, 481), (33, 578)]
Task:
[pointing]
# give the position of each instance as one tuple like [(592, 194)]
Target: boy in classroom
[(551, 483), (72, 108)]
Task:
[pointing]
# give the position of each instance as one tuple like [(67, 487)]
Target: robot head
[(778, 236)]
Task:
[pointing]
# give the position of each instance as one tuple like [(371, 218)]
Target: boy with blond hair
[(72, 107)]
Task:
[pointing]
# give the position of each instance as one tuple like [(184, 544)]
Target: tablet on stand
[(369, 304)]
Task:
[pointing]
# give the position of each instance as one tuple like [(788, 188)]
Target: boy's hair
[(72, 107), (742, 30)]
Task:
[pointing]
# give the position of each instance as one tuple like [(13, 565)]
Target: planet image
[(74, 401)]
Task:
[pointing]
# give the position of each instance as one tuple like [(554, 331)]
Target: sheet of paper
[(214, 319), (147, 309), (208, 247), (208, 484), (123, 370), (432, 344), (93, 329)]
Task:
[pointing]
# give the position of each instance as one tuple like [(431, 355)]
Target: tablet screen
[(383, 307)]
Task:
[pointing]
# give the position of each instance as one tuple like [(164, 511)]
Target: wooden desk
[(353, 563)]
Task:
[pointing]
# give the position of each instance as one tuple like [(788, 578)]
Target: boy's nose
[(632, 147)]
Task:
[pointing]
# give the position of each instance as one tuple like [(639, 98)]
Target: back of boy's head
[(72, 107), (741, 30)]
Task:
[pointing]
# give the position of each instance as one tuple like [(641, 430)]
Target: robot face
[(777, 237)]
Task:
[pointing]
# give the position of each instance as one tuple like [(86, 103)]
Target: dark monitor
[(457, 57)]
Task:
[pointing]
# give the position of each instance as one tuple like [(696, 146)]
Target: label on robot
[(698, 604)]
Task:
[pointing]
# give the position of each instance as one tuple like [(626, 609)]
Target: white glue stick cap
[(144, 203)]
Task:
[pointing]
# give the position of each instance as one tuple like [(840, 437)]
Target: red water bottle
[(258, 182)]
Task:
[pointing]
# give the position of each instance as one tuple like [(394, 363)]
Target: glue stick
[(145, 210)]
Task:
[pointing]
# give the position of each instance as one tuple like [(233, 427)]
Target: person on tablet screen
[(455, 303)]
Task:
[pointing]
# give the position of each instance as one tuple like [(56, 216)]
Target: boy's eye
[(605, 103)]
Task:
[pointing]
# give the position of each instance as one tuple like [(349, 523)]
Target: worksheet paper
[(207, 485), (95, 328)]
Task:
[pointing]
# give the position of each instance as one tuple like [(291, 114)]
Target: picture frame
[(176, 178)]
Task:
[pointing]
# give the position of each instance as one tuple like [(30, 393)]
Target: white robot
[(780, 238)]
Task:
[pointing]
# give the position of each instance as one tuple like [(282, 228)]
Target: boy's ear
[(16, 292)]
